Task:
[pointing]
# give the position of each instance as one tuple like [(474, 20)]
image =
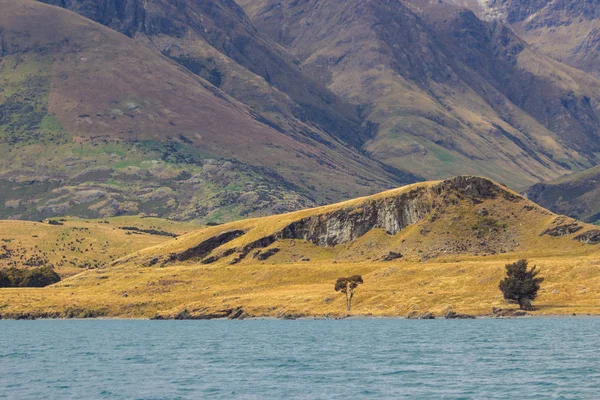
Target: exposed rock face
[(390, 256), (514, 10), (267, 254), (538, 13), (590, 237), (563, 226), (204, 248), (418, 315), (508, 313), (569, 29), (393, 215)]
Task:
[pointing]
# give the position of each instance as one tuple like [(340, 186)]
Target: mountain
[(215, 39), (432, 246), (567, 30), (575, 195), (94, 124), (448, 92)]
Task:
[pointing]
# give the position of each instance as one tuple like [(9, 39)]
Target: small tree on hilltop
[(520, 285), (347, 286)]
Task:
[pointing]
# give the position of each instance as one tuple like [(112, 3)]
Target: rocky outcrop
[(563, 226), (544, 13), (508, 313), (346, 225), (513, 11), (267, 254), (589, 237), (204, 314), (392, 214), (418, 315), (391, 256), (454, 315), (203, 249)]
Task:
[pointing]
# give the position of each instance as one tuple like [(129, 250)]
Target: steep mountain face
[(506, 62), (93, 124), (568, 30), (449, 93), (216, 40), (576, 195)]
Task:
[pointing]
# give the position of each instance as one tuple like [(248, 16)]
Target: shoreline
[(300, 318)]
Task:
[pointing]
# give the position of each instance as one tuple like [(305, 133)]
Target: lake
[(534, 358)]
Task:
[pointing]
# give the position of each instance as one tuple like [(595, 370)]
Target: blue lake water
[(348, 359)]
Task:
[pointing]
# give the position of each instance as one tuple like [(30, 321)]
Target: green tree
[(34, 277), (39, 277), (521, 284), (347, 286)]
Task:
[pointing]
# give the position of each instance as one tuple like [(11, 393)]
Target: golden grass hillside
[(433, 246), (74, 245)]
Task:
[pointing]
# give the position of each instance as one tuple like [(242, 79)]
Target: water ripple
[(378, 359)]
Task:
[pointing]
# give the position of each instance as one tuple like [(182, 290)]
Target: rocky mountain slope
[(449, 92), (434, 246), (214, 39), (576, 195), (568, 30), (94, 124)]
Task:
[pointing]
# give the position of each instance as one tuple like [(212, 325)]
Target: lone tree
[(520, 285), (347, 286)]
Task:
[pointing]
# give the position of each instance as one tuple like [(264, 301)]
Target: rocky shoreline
[(241, 314)]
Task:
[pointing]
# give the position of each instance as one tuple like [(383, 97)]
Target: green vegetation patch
[(24, 117), (33, 277)]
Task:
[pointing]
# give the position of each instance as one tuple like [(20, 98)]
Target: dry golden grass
[(306, 288), (78, 241), (299, 279)]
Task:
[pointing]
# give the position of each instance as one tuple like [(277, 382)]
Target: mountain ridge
[(568, 31), (440, 105)]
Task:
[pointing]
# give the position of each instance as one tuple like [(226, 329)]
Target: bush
[(35, 277)]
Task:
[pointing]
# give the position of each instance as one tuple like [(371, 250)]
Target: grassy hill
[(73, 245), (432, 246)]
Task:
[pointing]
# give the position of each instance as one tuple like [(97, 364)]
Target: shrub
[(35, 277)]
